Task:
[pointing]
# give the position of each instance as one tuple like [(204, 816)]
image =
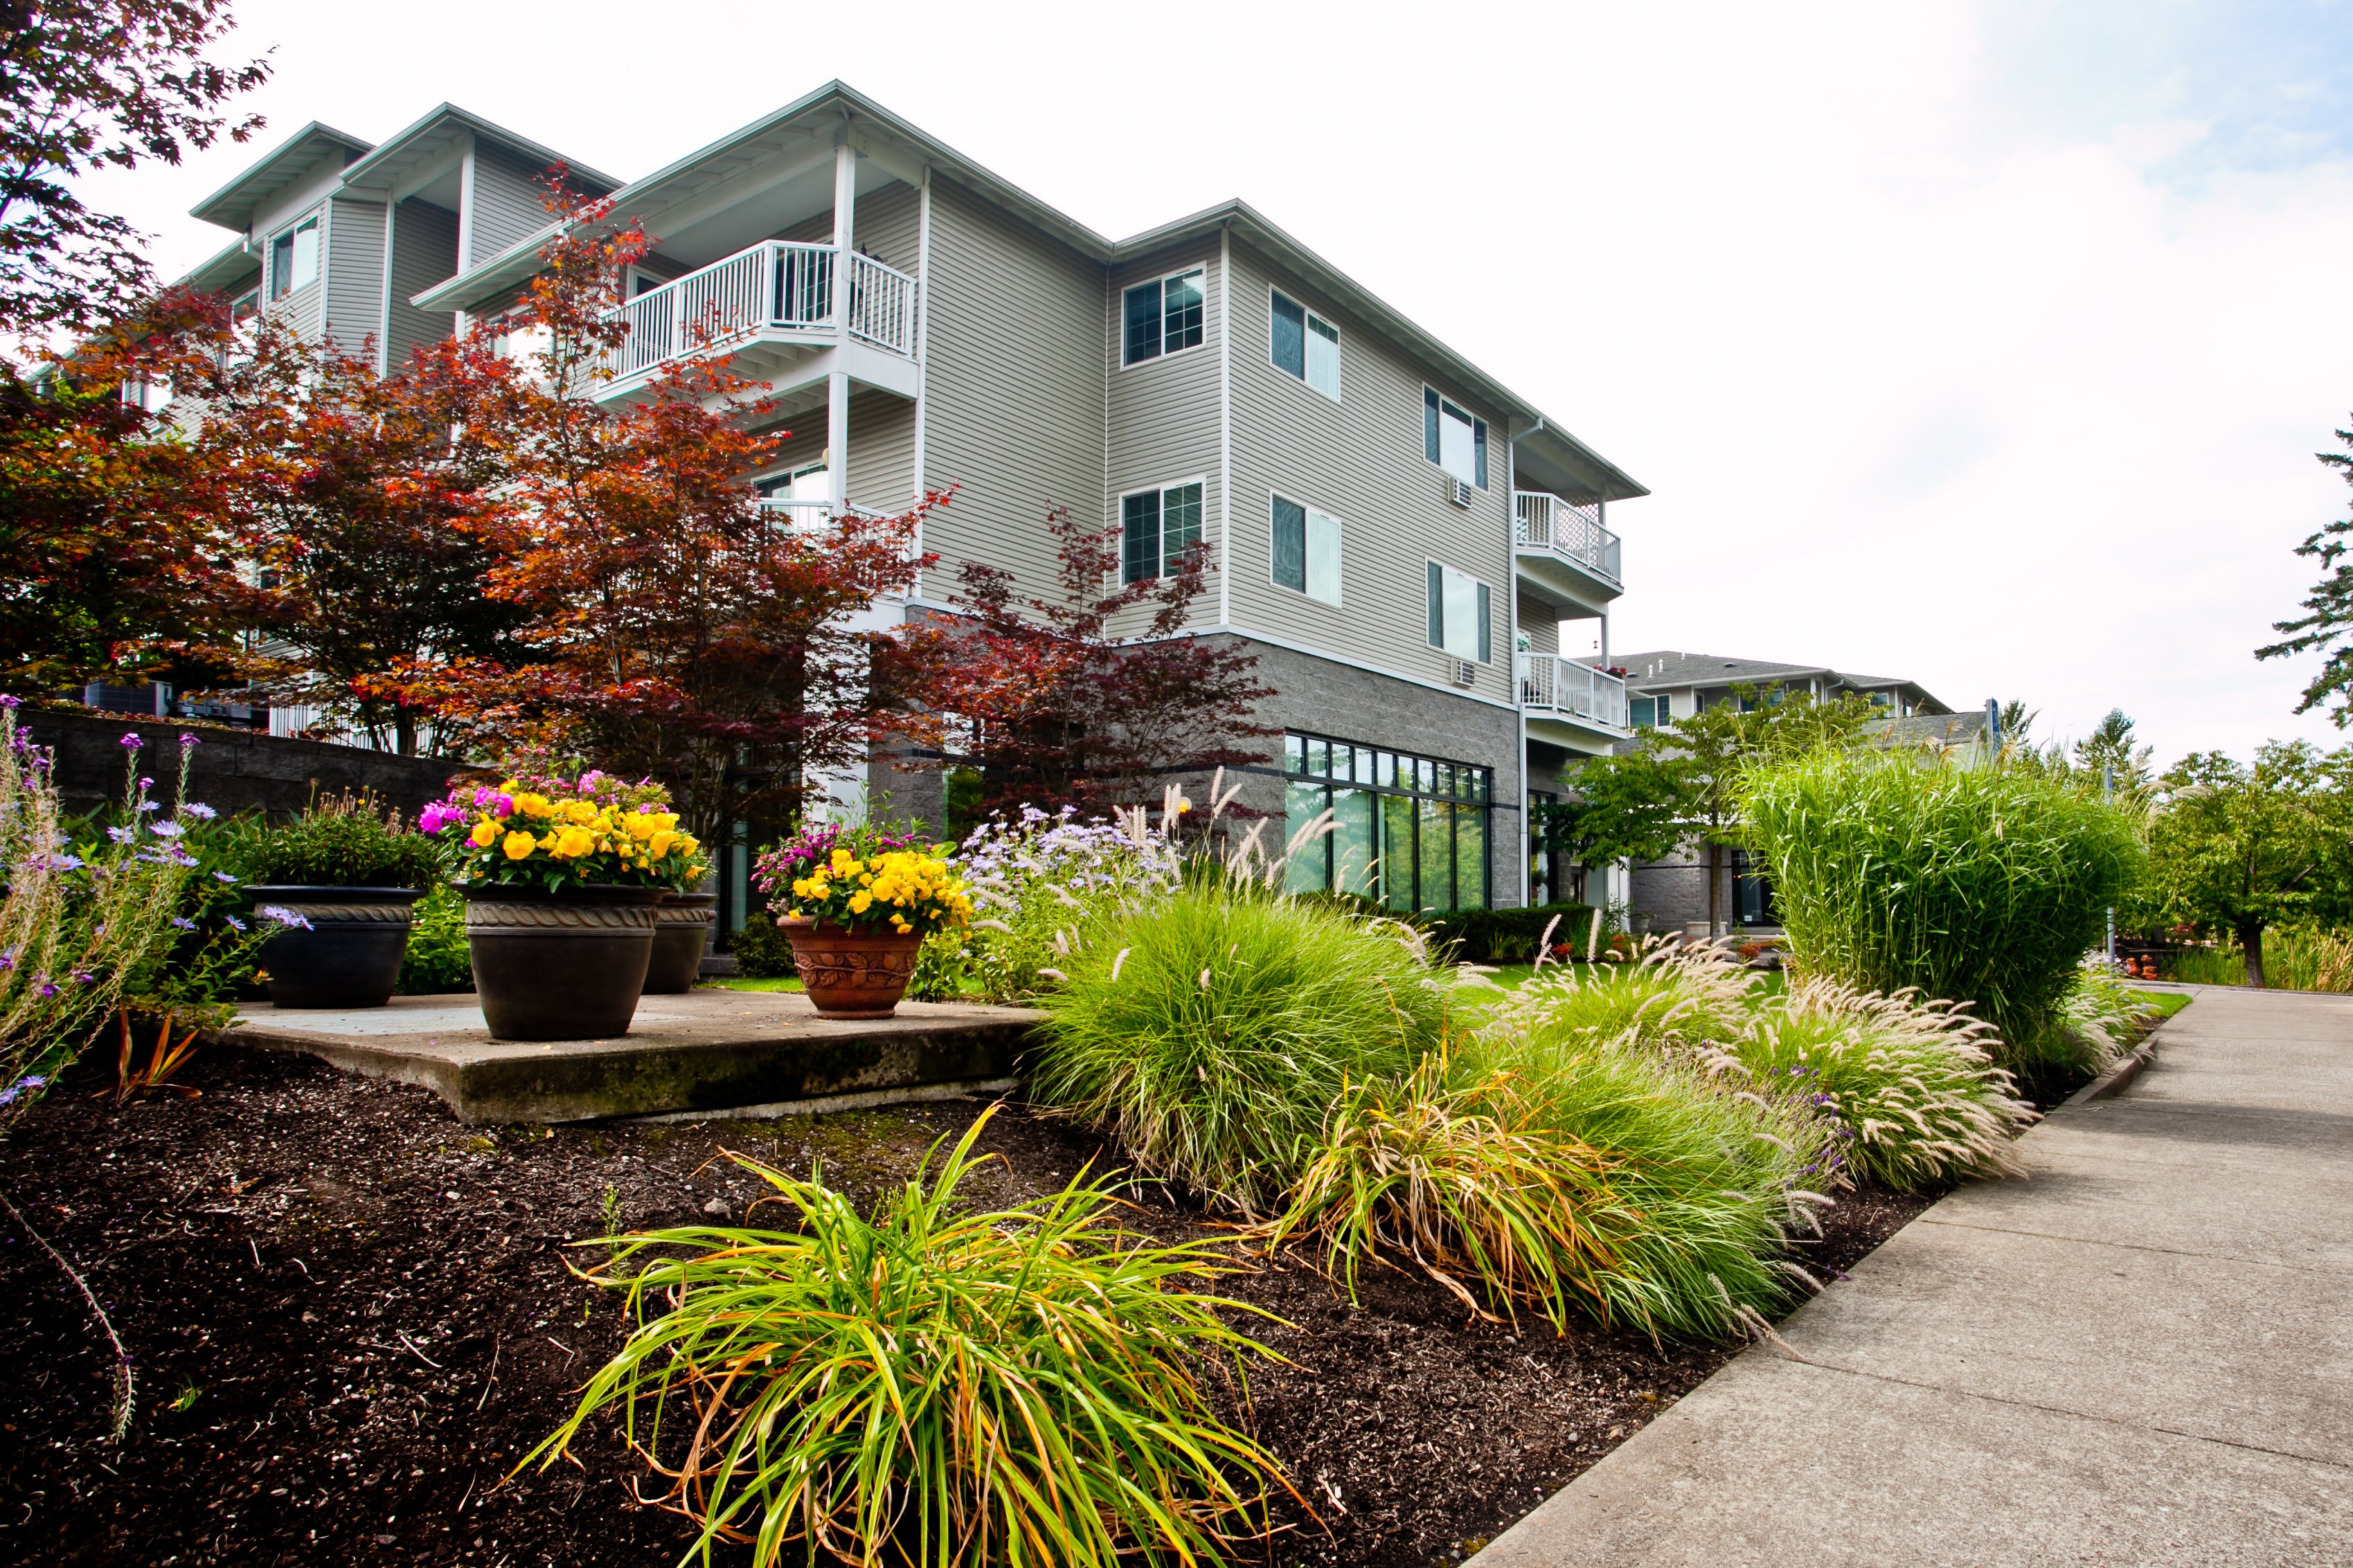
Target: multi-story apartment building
[(1392, 533)]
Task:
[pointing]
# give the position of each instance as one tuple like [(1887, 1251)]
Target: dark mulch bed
[(350, 1317)]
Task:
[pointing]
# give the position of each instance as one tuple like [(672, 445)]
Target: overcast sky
[(1985, 344)]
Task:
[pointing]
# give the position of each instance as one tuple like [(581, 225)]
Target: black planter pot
[(559, 966), (681, 929), (351, 955)]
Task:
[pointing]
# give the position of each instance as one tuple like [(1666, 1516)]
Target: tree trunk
[(2250, 944), (1715, 894), (404, 730)]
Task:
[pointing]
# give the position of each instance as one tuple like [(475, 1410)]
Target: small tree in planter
[(353, 871), (562, 881)]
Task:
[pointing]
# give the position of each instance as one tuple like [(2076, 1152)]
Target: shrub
[(1985, 884), (762, 951), (1035, 881), (1912, 1095), (1211, 1032), (1703, 1187), (944, 1386), (1509, 936), (1670, 996), (437, 959), (345, 841)]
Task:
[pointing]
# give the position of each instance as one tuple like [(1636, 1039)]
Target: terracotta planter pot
[(681, 929), (351, 955), (560, 966), (851, 973)]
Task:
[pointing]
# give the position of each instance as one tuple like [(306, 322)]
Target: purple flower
[(198, 810), (12, 703), (502, 805), (183, 924), (122, 835), (45, 987), (282, 915), (151, 805), (25, 1085), (223, 877), (234, 923), (483, 796), (146, 783), (437, 816), (188, 742), (132, 742), (169, 829), (84, 977)]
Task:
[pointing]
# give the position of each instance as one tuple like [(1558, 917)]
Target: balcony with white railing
[(1555, 688), (1564, 547), (777, 301)]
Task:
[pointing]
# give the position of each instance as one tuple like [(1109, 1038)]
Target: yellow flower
[(571, 843), (658, 846), (860, 902), (485, 834), (580, 811), (519, 845)]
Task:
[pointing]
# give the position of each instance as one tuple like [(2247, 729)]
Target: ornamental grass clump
[(933, 1387), (1210, 1032), (1671, 996), (1909, 1089), (1983, 883), (1703, 1187)]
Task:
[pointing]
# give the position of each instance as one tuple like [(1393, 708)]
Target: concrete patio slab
[(704, 1052), (2138, 1354)]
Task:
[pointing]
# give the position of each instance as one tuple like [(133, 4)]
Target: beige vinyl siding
[(881, 449), (1539, 622), (1361, 460), (423, 253), (1015, 390), (888, 225), (507, 208), (354, 259), (1163, 411)]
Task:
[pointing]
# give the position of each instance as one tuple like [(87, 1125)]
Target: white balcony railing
[(1553, 685), (775, 285), (1544, 522)]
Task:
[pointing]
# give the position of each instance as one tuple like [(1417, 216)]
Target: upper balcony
[(781, 311), (1576, 703), (1566, 557)]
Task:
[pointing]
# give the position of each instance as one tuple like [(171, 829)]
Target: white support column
[(836, 385)]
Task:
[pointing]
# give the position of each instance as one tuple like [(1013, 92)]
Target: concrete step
[(703, 1053)]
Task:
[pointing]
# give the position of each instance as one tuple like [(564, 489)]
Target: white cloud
[(1950, 346)]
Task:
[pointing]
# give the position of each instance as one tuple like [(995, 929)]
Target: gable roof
[(881, 133), (433, 134), (234, 204), (1662, 669)]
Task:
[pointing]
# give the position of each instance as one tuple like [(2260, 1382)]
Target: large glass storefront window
[(1408, 831)]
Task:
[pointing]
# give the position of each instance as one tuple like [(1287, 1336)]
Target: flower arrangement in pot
[(352, 871), (562, 881), (857, 903)]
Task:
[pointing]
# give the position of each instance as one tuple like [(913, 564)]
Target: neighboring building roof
[(233, 206), (417, 145), (1674, 671), (220, 271), (1945, 728), (855, 111)]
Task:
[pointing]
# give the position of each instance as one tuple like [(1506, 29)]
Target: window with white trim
[(1162, 317), (1306, 552), (1461, 613), (1304, 344), (1157, 527), (294, 259), (1453, 439)]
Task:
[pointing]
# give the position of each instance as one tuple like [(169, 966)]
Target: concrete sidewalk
[(2141, 1355)]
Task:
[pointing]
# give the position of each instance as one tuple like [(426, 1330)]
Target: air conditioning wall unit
[(1456, 490), (1466, 672)]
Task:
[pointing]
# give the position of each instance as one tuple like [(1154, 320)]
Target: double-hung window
[(1161, 317), (1306, 552), (1306, 345), (294, 259), (1459, 614), (1453, 439), (1157, 527)]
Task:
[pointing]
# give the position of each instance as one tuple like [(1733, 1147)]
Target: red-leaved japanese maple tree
[(1093, 697)]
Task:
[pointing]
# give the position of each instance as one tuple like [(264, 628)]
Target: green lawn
[(788, 982), (2166, 1004)]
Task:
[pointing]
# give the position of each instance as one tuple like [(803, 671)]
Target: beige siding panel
[(1537, 619), (1015, 390), (507, 208), (889, 225), (1359, 459), (881, 449), (354, 256), (1163, 411), (423, 252)]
